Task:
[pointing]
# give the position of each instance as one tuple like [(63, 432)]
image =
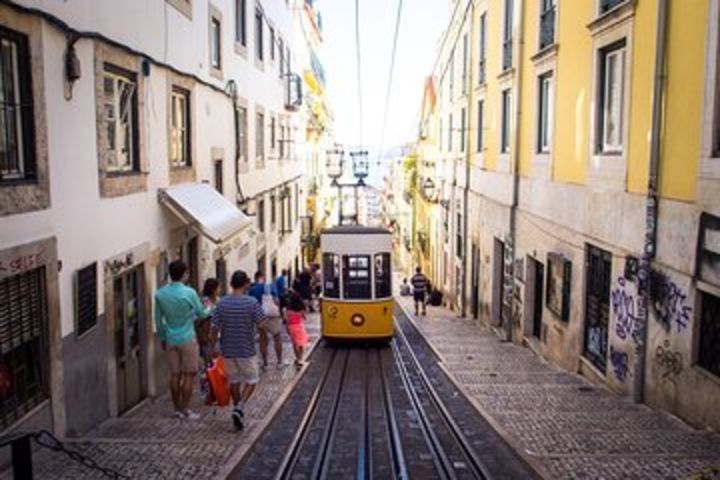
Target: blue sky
[(422, 24)]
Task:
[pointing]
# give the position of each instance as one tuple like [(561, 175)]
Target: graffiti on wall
[(625, 307), (619, 361), (669, 362), (668, 302)]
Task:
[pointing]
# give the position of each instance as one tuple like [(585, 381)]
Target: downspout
[(466, 189), (515, 168), (651, 206)]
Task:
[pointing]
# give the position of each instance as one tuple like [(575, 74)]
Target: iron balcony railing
[(547, 27)]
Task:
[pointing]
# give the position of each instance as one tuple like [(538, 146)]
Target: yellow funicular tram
[(357, 301)]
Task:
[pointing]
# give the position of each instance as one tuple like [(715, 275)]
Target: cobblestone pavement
[(148, 443), (568, 427)]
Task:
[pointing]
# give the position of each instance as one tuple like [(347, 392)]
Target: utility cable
[(390, 76), (359, 75)]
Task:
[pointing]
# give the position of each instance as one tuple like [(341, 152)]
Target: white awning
[(203, 208)]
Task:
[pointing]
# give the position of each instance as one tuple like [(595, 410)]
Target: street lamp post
[(360, 169)]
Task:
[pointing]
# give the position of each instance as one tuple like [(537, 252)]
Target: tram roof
[(355, 230)]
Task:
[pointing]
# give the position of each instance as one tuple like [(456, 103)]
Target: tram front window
[(356, 276), (331, 275), (383, 287)]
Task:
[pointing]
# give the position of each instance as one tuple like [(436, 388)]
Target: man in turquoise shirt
[(176, 308)]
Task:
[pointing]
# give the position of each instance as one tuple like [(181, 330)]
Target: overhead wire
[(390, 78), (359, 72)]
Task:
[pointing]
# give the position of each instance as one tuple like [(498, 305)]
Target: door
[(538, 300), (129, 324), (597, 306), (221, 274), (498, 281), (475, 294)]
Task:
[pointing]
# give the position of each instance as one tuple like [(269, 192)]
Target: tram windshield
[(383, 287), (356, 276), (331, 275)]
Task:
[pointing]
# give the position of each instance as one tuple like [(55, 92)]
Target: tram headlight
[(357, 320)]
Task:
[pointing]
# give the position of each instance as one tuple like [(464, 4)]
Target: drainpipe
[(515, 165), (651, 206), (466, 189)]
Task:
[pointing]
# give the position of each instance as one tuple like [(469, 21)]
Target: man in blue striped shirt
[(236, 318)]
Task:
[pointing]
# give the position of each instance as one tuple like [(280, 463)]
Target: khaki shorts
[(183, 358), (272, 325), (242, 370)]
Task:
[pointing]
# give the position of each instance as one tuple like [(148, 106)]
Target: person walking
[(267, 296), (296, 326), (281, 288), (235, 319), (419, 283), (210, 297), (176, 308)]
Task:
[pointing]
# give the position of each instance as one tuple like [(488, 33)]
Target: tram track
[(380, 412)]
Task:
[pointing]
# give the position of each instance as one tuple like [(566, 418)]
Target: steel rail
[(396, 450), (442, 462), (298, 439), (479, 469)]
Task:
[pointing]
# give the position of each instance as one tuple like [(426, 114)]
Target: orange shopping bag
[(219, 383)]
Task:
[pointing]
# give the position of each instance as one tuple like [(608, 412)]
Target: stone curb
[(237, 456), (532, 462)]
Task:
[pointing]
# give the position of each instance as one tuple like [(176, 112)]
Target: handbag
[(269, 306), (219, 382)]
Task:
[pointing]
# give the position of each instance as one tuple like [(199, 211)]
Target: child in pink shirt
[(296, 326)]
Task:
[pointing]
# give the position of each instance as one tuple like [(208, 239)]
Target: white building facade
[(131, 134)]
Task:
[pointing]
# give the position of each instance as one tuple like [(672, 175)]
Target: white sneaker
[(190, 415)]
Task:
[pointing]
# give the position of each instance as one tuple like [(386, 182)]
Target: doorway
[(597, 306), (498, 281), (475, 281), (538, 287), (128, 333)]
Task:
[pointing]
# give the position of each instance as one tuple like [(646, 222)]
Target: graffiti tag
[(619, 362), (670, 363), (624, 308), (668, 302)]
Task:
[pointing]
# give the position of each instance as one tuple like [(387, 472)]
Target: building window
[(243, 133), (260, 139), (241, 22), (611, 98), (607, 5), (480, 124), (281, 51), (261, 215), (23, 344), (272, 43), (215, 44), (17, 157), (547, 23), (273, 213), (120, 112), (218, 174), (482, 48), (544, 112), (259, 50), (272, 133), (709, 354), (86, 299), (505, 126), (459, 236), (507, 54), (180, 128), (450, 133), (465, 63), (462, 130), (356, 276)]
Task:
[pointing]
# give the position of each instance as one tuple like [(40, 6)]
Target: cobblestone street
[(567, 427), (148, 444)]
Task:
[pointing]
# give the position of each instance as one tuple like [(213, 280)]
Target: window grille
[(23, 344), (17, 141), (86, 300)]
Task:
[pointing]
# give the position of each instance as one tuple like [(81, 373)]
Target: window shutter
[(86, 298)]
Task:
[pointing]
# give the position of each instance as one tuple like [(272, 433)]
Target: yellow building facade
[(575, 162)]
